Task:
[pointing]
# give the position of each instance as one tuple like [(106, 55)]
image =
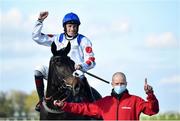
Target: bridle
[(61, 79)]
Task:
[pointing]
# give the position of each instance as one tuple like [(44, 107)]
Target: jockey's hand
[(77, 73), (43, 15), (78, 67), (59, 103), (147, 88)]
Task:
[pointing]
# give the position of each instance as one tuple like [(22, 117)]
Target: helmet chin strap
[(70, 37)]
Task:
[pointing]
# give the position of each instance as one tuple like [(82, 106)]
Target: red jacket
[(128, 107)]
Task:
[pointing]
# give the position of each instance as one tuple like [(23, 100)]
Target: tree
[(6, 109), (30, 101)]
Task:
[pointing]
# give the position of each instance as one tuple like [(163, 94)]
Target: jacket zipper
[(117, 111)]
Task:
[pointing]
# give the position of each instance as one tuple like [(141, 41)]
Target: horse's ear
[(62, 52), (68, 48), (53, 48)]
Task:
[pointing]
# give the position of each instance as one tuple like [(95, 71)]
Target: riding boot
[(40, 90), (87, 88)]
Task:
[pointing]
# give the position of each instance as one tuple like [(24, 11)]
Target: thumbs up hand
[(147, 88)]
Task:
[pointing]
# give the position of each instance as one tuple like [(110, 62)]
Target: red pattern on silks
[(39, 82), (50, 35), (88, 62), (88, 49), (92, 59)]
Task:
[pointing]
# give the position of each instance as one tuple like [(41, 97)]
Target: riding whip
[(95, 76)]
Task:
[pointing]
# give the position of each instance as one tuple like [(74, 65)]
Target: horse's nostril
[(77, 87)]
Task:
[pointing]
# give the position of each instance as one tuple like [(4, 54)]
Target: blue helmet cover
[(71, 18)]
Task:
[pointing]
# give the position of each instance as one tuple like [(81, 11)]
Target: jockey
[(81, 50)]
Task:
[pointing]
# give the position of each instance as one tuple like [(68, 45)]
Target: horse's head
[(61, 81)]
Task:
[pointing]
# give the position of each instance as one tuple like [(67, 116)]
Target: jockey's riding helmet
[(71, 18)]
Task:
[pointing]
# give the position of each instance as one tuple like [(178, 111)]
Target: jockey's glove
[(78, 73)]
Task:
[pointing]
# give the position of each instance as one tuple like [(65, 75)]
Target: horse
[(63, 84)]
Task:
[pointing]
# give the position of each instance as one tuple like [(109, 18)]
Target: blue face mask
[(119, 89)]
